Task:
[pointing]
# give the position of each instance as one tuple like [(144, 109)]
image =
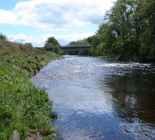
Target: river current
[(100, 99)]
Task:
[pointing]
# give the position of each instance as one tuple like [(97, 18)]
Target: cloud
[(22, 38), (40, 41), (7, 17), (49, 15), (56, 15), (65, 39)]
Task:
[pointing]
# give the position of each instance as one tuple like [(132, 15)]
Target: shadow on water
[(133, 94)]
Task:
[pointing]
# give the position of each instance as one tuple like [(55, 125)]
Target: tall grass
[(23, 107)]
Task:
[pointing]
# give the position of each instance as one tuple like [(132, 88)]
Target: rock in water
[(15, 136)]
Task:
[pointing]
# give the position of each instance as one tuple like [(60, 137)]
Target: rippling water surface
[(100, 99)]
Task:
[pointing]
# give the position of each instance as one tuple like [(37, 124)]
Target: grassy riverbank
[(23, 107)]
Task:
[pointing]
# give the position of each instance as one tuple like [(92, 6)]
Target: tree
[(123, 27), (51, 42), (57, 50), (83, 42), (29, 45), (128, 32), (80, 42), (3, 37), (147, 36), (73, 43)]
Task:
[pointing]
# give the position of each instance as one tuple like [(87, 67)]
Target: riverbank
[(23, 107)]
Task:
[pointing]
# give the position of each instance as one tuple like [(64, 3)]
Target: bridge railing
[(75, 47)]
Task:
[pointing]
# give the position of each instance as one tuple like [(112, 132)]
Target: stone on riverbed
[(15, 136)]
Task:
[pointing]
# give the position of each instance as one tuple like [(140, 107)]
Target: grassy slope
[(23, 107)]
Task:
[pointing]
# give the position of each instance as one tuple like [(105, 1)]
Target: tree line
[(128, 31)]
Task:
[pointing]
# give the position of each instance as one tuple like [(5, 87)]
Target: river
[(100, 99)]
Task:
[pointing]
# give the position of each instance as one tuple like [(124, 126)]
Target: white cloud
[(56, 15), (22, 38), (40, 41), (7, 17), (59, 14), (65, 39)]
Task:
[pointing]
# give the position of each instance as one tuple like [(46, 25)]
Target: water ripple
[(100, 99)]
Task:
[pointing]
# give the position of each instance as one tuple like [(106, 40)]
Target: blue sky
[(36, 20)]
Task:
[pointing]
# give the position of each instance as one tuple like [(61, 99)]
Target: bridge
[(75, 47), (71, 48)]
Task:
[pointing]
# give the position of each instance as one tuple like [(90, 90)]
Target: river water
[(100, 99)]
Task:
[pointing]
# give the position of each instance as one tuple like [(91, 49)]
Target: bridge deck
[(77, 47), (71, 48)]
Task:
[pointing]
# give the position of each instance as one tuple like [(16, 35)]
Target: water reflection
[(99, 99), (133, 95)]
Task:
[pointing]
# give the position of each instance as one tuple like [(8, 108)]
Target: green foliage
[(83, 42), (49, 45), (99, 51), (80, 42), (3, 37), (23, 107), (128, 31), (51, 42), (57, 50), (73, 43), (29, 45), (76, 43)]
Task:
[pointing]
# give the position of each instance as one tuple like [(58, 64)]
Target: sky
[(34, 21)]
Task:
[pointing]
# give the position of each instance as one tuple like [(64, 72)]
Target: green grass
[(23, 107)]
